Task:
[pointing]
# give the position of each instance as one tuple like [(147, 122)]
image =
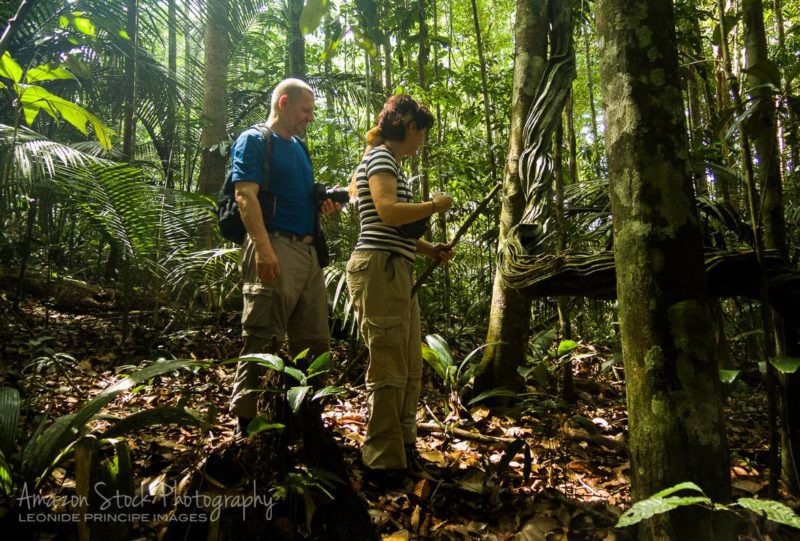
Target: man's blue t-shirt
[(291, 178)]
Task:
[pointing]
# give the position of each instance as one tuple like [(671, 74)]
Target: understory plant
[(667, 500)]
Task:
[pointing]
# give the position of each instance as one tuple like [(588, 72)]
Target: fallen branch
[(452, 431)]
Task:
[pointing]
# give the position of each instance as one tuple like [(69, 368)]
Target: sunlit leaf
[(786, 365), (296, 395), (565, 346), (46, 72), (84, 26), (10, 69)]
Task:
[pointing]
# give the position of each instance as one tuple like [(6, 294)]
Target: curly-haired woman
[(379, 276)]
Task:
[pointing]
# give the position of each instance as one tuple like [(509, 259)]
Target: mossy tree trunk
[(677, 430), (509, 318)]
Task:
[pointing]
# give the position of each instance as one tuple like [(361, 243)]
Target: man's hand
[(267, 264), (328, 207)]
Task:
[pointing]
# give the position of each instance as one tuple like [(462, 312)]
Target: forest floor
[(547, 470)]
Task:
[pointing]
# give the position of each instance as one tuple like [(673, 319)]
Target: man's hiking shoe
[(385, 480)]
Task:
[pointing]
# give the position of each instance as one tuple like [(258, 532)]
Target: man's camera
[(337, 195)]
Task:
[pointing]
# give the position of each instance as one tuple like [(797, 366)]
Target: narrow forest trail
[(568, 477)]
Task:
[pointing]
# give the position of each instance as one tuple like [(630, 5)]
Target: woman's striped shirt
[(376, 235)]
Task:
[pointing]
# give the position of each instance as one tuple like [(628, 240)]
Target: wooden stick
[(461, 230), (455, 432)]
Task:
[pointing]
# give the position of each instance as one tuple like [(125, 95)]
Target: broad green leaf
[(296, 373), (775, 511), (124, 35), (63, 21), (786, 365), (10, 69), (320, 364), (328, 391), (492, 393), (9, 419), (260, 424), (46, 72), (565, 346), (439, 345), (295, 396), (35, 98), (312, 14), (655, 506), (686, 485), (2, 85), (264, 359), (728, 376), (432, 359)]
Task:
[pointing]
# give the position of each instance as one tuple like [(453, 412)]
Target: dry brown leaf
[(423, 489), (746, 485)]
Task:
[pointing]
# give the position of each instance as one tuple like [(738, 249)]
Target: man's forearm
[(253, 219)]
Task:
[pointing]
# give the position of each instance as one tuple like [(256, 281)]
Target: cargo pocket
[(385, 341), (357, 268), (258, 309)]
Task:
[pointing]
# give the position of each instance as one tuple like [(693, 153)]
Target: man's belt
[(305, 239)]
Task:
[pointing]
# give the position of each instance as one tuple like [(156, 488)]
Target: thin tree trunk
[(487, 105), (590, 86), (130, 120), (565, 330), (509, 316), (172, 66), (422, 64), (188, 153), (677, 428)]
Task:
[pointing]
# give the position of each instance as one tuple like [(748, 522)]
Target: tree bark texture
[(509, 317), (677, 430), (215, 91), (295, 42)]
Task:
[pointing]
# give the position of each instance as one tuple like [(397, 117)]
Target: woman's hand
[(438, 252), (441, 202)]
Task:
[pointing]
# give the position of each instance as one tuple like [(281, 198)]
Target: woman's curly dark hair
[(398, 111)]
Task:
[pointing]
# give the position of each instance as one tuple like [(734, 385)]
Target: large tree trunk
[(677, 430), (215, 89), (509, 317)]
